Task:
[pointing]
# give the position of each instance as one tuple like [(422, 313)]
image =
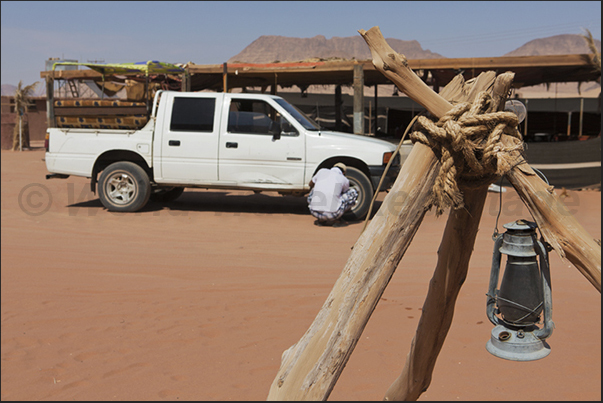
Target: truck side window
[(248, 116), (193, 114)]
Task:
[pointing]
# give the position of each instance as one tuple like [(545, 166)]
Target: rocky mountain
[(271, 48), (555, 45)]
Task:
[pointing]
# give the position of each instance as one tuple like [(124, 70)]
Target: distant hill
[(555, 45), (270, 48)]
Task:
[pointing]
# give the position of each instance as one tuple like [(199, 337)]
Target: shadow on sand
[(225, 202)]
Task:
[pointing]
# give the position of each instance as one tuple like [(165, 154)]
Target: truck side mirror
[(275, 130), (287, 129)]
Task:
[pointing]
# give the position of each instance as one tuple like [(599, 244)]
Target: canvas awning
[(529, 70), (148, 68)]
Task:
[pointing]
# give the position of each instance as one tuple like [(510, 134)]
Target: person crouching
[(330, 195)]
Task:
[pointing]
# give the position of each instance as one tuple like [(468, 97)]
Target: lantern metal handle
[(547, 329), (494, 272)]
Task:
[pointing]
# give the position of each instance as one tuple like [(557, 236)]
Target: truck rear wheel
[(124, 186), (364, 187)]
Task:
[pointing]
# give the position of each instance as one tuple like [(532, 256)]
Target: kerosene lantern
[(525, 294)]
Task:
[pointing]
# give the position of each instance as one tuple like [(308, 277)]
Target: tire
[(364, 187), (124, 187), (162, 195)]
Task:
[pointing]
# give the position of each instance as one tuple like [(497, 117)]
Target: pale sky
[(208, 32)]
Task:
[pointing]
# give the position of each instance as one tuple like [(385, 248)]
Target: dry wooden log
[(462, 228), (557, 225), (450, 273), (558, 228), (311, 367), (454, 255), (438, 310)]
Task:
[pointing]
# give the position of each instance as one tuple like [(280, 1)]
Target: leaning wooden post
[(50, 120), (557, 225), (450, 273), (438, 309), (457, 244), (559, 228), (455, 249), (311, 367)]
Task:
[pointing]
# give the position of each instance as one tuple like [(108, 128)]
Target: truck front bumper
[(390, 177)]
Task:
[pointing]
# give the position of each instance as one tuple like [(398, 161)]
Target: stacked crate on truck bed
[(100, 114)]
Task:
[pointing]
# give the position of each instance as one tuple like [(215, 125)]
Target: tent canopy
[(149, 67)]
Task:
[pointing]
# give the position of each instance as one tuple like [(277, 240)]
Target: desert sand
[(197, 299)]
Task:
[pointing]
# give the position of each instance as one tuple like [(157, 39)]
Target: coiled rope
[(467, 141)]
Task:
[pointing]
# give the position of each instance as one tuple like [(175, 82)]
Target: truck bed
[(100, 114)]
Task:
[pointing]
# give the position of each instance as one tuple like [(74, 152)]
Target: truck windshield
[(298, 115)]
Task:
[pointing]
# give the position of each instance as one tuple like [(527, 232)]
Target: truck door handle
[(174, 142), (231, 144)]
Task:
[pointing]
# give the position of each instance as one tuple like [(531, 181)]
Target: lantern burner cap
[(521, 225), (518, 241)]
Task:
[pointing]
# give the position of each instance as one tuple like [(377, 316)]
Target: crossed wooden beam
[(311, 367)]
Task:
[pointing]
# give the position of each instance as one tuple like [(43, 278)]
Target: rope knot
[(468, 142)]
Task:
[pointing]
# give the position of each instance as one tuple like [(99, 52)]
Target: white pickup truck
[(237, 141)]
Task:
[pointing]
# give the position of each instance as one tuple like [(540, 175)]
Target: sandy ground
[(198, 298)]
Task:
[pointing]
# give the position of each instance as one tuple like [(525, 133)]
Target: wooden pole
[(20, 131), (525, 122), (455, 251), (338, 103), (557, 225), (224, 77), (449, 275), (580, 122), (559, 228), (358, 99), (50, 122), (438, 310), (185, 85), (275, 86), (311, 367), (370, 118), (376, 108)]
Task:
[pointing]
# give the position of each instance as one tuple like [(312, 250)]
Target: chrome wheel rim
[(360, 198), (121, 188)]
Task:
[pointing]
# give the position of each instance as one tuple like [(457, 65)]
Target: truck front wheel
[(124, 186), (363, 185)]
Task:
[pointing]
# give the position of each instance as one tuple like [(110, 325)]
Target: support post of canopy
[(358, 99)]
